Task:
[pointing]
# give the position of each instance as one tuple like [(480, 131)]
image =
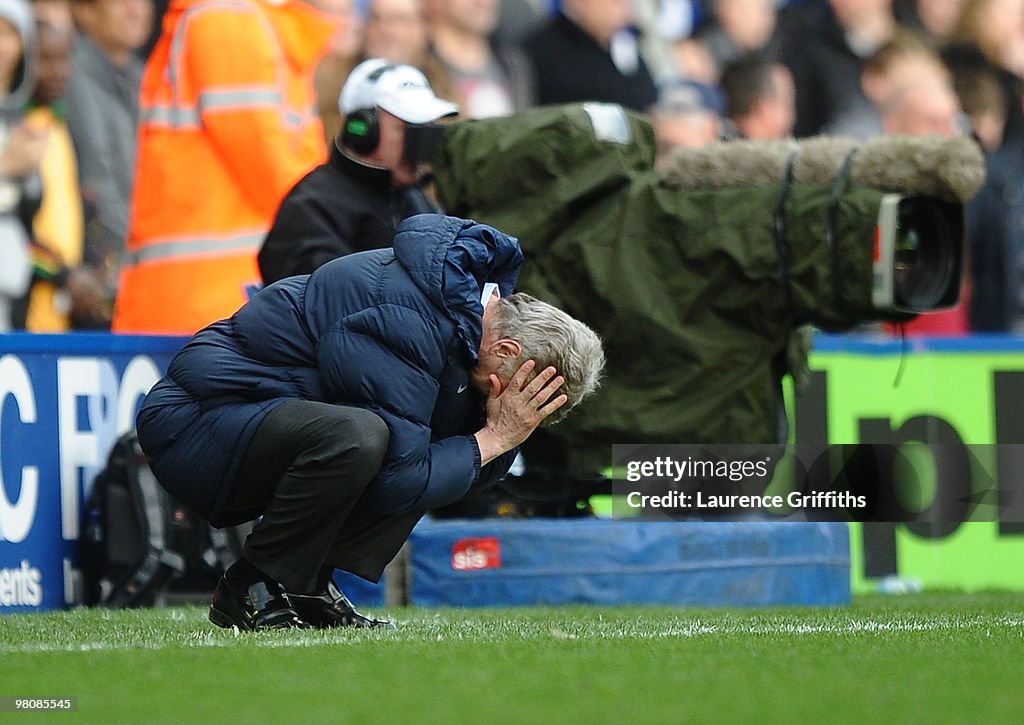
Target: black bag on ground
[(137, 541)]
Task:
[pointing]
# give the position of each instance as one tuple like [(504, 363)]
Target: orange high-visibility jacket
[(227, 127)]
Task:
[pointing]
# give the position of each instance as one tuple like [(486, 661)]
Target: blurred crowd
[(93, 90)]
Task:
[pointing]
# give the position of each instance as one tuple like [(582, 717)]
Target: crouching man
[(342, 405)]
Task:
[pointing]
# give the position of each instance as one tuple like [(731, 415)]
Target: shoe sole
[(226, 621)]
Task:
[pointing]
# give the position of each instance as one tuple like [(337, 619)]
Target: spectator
[(984, 102), (686, 114), (934, 21), (519, 17), (739, 27), (398, 391), (987, 53), (825, 46), (103, 110), (995, 228), (65, 294), (490, 79), (990, 38), (995, 217), (22, 144), (395, 30), (589, 52), (56, 13), (662, 25), (355, 201), (898, 63), (226, 99), (922, 105), (760, 99), (694, 62)]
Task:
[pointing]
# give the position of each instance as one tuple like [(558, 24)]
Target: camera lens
[(927, 253)]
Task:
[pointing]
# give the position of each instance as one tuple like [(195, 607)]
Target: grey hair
[(549, 336)]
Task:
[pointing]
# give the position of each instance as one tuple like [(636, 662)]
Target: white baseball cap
[(401, 90)]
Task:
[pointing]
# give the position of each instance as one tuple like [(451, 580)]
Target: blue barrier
[(586, 561)]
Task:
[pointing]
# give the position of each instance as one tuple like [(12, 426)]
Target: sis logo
[(476, 554)]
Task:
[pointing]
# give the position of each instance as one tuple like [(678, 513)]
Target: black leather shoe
[(251, 606), (333, 609)]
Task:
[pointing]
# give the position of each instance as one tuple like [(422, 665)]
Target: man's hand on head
[(515, 410)]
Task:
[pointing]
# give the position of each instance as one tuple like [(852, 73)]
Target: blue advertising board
[(64, 399)]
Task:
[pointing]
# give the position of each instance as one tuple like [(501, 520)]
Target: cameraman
[(356, 200)]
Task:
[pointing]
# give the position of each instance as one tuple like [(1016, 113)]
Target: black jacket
[(338, 208), (826, 71), (995, 228), (571, 66)]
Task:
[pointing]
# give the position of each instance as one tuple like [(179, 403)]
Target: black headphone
[(361, 132)]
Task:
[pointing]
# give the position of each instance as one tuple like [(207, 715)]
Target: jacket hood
[(450, 260), (19, 14)]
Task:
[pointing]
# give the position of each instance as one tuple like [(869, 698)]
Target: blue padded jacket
[(395, 331)]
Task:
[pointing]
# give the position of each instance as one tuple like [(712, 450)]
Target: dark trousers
[(305, 472)]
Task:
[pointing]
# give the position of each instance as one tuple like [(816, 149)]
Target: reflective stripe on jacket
[(227, 128)]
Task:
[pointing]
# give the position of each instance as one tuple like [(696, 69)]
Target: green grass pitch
[(927, 658)]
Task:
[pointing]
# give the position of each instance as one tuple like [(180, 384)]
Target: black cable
[(781, 238), (904, 351), (838, 187)]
